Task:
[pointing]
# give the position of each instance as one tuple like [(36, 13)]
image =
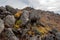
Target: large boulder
[(24, 17), (1, 25), (34, 16), (57, 36), (11, 9), (9, 20)]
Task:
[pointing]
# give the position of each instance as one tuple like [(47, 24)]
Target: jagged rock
[(1, 25), (2, 9), (6, 13), (2, 16), (11, 9), (53, 31), (24, 17), (28, 8), (9, 33), (24, 31), (34, 16), (49, 37), (57, 36), (9, 20), (34, 38)]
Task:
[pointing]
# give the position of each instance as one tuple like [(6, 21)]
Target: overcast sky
[(51, 5)]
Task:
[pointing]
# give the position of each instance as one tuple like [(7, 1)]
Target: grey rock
[(34, 17), (33, 38), (57, 36), (6, 13), (9, 33), (49, 37), (24, 17), (24, 31), (9, 20), (10, 9), (2, 9), (1, 25)]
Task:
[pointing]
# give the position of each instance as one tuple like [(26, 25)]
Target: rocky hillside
[(28, 24)]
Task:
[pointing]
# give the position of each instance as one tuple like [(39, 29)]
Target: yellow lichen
[(31, 33), (18, 14), (17, 24), (42, 30)]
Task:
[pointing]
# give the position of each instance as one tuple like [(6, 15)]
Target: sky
[(50, 5)]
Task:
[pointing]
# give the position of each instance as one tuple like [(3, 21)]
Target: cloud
[(51, 5), (13, 3)]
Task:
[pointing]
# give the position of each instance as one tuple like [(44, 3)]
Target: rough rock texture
[(9, 20), (10, 9), (1, 25), (9, 33), (25, 17), (28, 24)]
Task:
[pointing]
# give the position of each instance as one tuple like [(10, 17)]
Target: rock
[(6, 13), (49, 37), (1, 25), (9, 20), (57, 36), (2, 9), (28, 8), (53, 31), (10, 9), (33, 38), (9, 33), (24, 17), (2, 16), (34, 17), (24, 31)]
